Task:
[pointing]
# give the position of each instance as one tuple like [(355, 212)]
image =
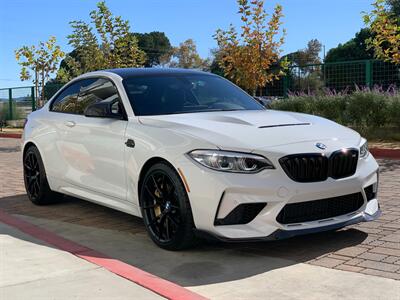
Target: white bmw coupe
[(191, 152)]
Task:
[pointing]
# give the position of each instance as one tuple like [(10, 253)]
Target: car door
[(94, 147), (54, 146)]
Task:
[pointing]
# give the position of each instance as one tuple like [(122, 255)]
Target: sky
[(26, 22)]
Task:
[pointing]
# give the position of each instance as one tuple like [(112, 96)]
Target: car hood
[(252, 130)]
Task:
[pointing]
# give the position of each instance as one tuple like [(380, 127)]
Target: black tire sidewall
[(185, 231), (44, 190)]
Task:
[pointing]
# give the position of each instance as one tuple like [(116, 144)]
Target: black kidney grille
[(320, 209), (305, 167), (343, 163), (317, 167)]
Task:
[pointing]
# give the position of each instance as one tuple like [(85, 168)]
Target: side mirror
[(104, 110), (264, 101)]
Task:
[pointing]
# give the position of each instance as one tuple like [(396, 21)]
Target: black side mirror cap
[(101, 110)]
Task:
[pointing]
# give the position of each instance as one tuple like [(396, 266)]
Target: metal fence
[(338, 76), (17, 102)]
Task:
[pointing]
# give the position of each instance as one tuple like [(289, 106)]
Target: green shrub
[(394, 111), (366, 110), (5, 111)]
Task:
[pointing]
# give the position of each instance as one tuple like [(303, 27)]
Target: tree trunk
[(37, 88), (42, 89)]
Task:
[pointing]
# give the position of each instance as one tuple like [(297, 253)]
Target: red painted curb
[(10, 135), (385, 153), (149, 281)]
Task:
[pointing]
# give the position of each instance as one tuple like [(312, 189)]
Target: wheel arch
[(30, 144), (146, 166), (27, 146)]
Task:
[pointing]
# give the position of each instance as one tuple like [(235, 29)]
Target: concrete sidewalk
[(228, 274), (30, 269)]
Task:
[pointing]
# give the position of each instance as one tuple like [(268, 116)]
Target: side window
[(66, 101), (99, 90)]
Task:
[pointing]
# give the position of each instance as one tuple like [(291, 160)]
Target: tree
[(110, 46), (186, 57), (354, 49), (42, 60), (385, 25), (306, 56), (394, 7), (157, 47), (247, 57), (306, 73), (215, 62)]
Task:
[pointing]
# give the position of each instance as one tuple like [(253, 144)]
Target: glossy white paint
[(87, 158)]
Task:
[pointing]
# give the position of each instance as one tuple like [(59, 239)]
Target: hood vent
[(284, 125)]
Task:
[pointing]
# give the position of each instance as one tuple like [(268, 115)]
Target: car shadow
[(123, 237)]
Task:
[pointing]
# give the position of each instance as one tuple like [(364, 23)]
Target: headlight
[(364, 150), (228, 161)]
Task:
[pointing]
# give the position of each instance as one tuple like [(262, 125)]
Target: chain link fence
[(337, 76)]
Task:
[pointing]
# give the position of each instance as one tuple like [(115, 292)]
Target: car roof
[(132, 72)]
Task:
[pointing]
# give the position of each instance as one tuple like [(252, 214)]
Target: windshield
[(174, 94)]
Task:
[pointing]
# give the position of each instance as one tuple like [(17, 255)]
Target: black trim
[(305, 172), (244, 213), (125, 115), (284, 162), (369, 192), (336, 171), (284, 125), (280, 234), (321, 209), (142, 72), (130, 143)]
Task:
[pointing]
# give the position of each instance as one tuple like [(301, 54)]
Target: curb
[(10, 135), (149, 281), (385, 153), (376, 152)]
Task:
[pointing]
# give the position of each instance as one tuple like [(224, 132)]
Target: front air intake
[(242, 214), (320, 209)]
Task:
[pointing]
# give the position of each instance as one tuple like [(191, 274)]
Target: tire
[(36, 184), (165, 208)]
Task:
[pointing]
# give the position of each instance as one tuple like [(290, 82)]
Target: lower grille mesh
[(242, 214), (320, 209)]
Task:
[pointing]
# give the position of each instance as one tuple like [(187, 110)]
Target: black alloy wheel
[(165, 208), (36, 185), (32, 175)]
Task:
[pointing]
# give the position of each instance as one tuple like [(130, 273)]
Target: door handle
[(69, 123)]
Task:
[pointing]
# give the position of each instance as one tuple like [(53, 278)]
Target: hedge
[(363, 109)]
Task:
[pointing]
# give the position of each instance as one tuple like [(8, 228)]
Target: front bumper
[(281, 234), (213, 195)]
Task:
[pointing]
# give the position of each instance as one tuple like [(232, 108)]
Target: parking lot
[(311, 266)]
